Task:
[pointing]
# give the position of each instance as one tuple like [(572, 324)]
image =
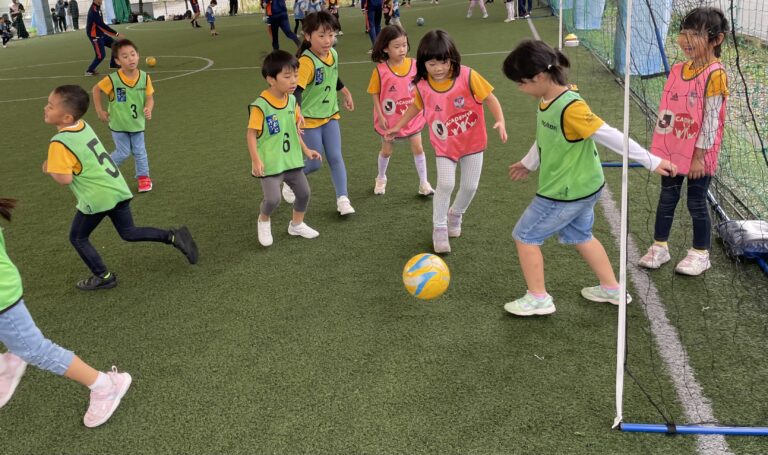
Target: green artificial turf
[(313, 346)]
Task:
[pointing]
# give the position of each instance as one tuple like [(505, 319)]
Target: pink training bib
[(396, 96), (681, 112), (456, 120)]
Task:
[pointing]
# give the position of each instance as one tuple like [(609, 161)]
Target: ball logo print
[(439, 129), (389, 106), (664, 123), (426, 276)]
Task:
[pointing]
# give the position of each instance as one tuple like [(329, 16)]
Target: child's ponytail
[(6, 205), (531, 57)]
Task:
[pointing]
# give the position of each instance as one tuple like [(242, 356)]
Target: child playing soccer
[(570, 176), (333, 8), (210, 16), (391, 87), (131, 100), (689, 132), (277, 151), (316, 94), (26, 344), (195, 13), (452, 98), (77, 158), (472, 4)]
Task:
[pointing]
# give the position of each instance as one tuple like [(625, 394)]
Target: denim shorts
[(544, 218)]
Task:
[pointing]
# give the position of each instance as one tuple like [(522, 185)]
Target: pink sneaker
[(11, 370), (105, 402), (145, 184), (454, 224)]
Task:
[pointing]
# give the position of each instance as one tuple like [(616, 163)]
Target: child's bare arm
[(379, 111), (149, 104), (495, 107), (103, 115), (408, 115), (257, 166)]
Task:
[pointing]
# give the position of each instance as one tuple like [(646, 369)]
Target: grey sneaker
[(440, 241), (655, 257), (454, 224), (528, 305), (598, 294)]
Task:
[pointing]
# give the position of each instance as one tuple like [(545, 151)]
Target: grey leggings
[(295, 179)]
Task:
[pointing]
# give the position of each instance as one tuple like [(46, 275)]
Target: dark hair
[(709, 20), (531, 57), (74, 99), (436, 45), (276, 61), (388, 34), (119, 44), (321, 20), (5, 207)]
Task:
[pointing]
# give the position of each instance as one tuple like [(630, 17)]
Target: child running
[(391, 87), (131, 101), (452, 97), (210, 16), (689, 132), (276, 148), (299, 12), (77, 158), (26, 344), (570, 176), (316, 94), (333, 8)]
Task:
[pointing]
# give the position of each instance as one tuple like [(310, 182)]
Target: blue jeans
[(326, 140), (127, 144), (544, 218), (671, 187), (21, 336), (374, 22)]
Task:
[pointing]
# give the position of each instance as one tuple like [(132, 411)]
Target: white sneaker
[(509, 19), (302, 230), (265, 232), (12, 368), (425, 189), (343, 206), (340, 33), (656, 256), (485, 15), (694, 264), (469, 14), (380, 187), (288, 194)]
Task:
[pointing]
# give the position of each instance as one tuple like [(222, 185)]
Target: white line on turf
[(696, 406), (208, 61)]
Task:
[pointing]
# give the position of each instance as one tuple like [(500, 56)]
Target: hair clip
[(549, 67)]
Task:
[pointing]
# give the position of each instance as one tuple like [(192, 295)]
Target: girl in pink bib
[(451, 97), (392, 89), (688, 133)]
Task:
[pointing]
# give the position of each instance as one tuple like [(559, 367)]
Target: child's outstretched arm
[(530, 162), (257, 166), (348, 103), (611, 138), (495, 107), (308, 152), (96, 92), (409, 114)]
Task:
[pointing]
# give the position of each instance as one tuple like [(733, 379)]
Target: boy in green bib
[(77, 158), (276, 148), (131, 100)]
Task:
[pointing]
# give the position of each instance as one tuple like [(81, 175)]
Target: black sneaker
[(95, 282), (183, 241)]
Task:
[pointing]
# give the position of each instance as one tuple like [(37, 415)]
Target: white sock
[(421, 166), (510, 11), (102, 382), (383, 163)]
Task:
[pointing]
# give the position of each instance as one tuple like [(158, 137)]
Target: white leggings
[(471, 167)]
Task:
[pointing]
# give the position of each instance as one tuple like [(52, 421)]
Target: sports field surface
[(314, 346)]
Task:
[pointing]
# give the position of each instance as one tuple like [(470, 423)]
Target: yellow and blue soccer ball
[(426, 276)]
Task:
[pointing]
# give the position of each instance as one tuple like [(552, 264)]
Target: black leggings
[(299, 22), (83, 225), (671, 187), (281, 23)]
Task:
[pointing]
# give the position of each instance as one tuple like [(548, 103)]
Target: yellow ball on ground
[(571, 40), (151, 61), (426, 276)]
